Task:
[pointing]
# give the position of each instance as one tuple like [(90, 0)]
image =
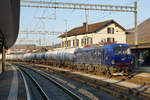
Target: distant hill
[(143, 33)]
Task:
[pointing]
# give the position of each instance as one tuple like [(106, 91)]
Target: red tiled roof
[(91, 28)]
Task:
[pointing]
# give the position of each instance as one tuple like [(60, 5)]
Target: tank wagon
[(111, 59), (15, 57)]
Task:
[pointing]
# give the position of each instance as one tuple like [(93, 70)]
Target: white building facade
[(97, 34)]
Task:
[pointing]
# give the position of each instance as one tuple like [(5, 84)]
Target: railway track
[(113, 89), (45, 95)]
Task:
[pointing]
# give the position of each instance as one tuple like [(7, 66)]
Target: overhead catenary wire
[(84, 1)]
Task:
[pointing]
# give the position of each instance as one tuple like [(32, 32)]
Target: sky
[(75, 18)]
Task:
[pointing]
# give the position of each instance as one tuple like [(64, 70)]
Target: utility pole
[(55, 12), (86, 16), (66, 34), (39, 42), (136, 30), (136, 35)]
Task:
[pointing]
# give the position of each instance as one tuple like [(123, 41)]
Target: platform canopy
[(9, 21)]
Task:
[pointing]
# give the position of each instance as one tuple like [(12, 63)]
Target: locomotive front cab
[(122, 55), (117, 57)]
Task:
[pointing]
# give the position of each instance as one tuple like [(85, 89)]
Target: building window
[(113, 39), (113, 31), (110, 30), (86, 41), (77, 42), (83, 43), (90, 41), (69, 43), (105, 40), (73, 43), (108, 40), (63, 44)]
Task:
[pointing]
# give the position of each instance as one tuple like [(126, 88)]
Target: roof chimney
[(85, 27)]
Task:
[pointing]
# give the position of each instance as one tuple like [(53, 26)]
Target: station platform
[(143, 69), (12, 85)]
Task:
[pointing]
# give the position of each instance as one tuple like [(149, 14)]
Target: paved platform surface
[(143, 69), (12, 85)]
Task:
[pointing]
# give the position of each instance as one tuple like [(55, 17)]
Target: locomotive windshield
[(121, 50)]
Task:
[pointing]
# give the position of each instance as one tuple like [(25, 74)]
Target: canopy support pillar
[(3, 58)]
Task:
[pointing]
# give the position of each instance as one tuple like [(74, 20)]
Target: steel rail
[(116, 90), (60, 86), (43, 94), (46, 76)]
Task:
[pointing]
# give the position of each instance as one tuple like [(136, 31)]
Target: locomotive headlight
[(113, 61)]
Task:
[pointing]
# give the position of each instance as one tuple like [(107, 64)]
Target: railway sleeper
[(103, 83), (111, 86), (115, 94), (145, 96), (87, 78), (77, 79), (125, 90), (91, 85), (112, 92)]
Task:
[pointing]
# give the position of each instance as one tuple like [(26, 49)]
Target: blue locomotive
[(117, 57), (114, 59)]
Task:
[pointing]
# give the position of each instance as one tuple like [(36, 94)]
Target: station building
[(94, 34)]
